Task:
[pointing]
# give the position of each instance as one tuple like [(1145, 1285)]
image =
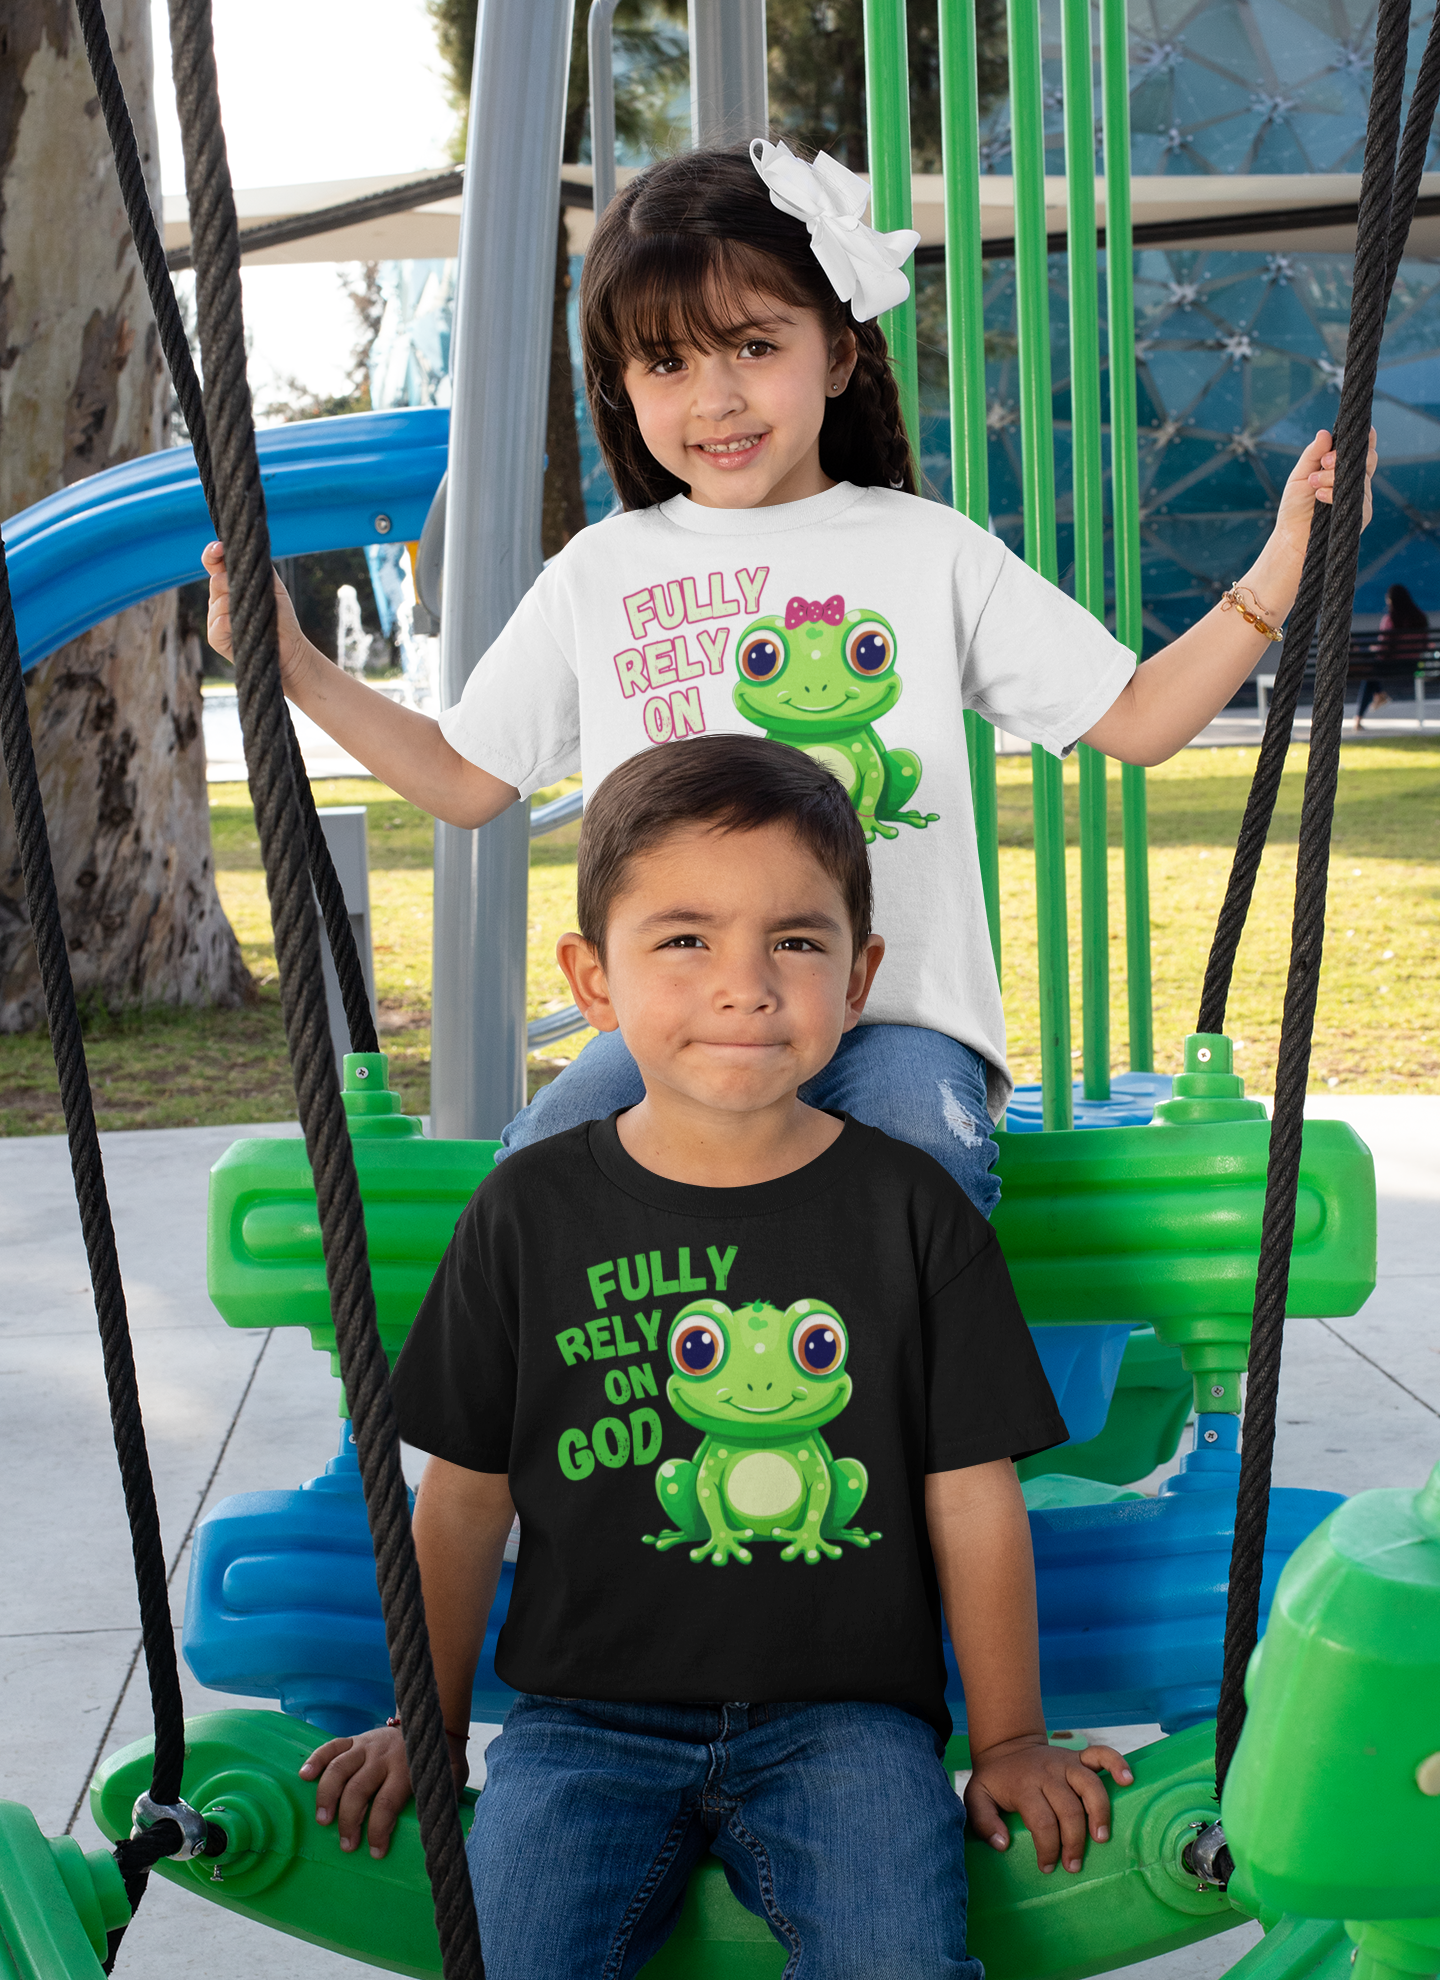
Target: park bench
[(1377, 656)]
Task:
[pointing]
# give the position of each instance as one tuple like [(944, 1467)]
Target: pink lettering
[(639, 611), (660, 662), (714, 644), (659, 722), (751, 584), (687, 717), (631, 669), (669, 604), (686, 669)]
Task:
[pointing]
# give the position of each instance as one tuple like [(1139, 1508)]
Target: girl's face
[(740, 425)]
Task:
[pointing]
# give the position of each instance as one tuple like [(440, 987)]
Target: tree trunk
[(562, 513), (116, 714)]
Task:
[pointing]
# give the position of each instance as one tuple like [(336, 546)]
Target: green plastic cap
[(1209, 1089), (370, 1106)]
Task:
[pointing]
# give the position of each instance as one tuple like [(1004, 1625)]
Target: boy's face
[(729, 967)]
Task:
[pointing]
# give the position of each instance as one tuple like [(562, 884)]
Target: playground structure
[(1130, 1224)]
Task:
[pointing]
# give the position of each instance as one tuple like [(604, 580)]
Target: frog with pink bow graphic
[(819, 679)]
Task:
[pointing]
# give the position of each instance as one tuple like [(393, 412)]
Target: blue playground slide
[(134, 530)]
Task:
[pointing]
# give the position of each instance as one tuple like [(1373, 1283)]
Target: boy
[(753, 1375)]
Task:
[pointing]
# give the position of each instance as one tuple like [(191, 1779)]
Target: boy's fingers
[(1112, 1760), (323, 1755), (1095, 1801), (332, 1783), (1039, 1818), (1069, 1813), (385, 1811), (985, 1817), (359, 1790)]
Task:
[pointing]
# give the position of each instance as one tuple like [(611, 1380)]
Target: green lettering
[(687, 1284), (575, 1460), (599, 1332), (617, 1389), (642, 1380), (612, 1439), (721, 1266), (623, 1343), (602, 1281), (640, 1285), (645, 1428), (572, 1345), (650, 1328), (659, 1284)]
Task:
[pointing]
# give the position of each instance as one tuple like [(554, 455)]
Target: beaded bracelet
[(1231, 602), (464, 1737)]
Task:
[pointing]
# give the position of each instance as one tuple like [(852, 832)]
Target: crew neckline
[(745, 1199), (767, 521)]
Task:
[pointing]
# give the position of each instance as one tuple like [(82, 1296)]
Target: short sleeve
[(519, 714), (1038, 664), (987, 1396), (454, 1384)]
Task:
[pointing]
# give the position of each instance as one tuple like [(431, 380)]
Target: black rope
[(1382, 219), (245, 534), (359, 1018), (1300, 631), (68, 1044)]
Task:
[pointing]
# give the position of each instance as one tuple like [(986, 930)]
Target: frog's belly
[(764, 1485), (843, 764)]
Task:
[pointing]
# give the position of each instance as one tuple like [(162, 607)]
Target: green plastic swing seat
[(57, 1901)]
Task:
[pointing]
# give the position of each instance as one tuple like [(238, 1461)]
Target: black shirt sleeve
[(454, 1384), (987, 1396)]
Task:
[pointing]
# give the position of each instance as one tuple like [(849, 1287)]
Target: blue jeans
[(836, 1823), (920, 1086)]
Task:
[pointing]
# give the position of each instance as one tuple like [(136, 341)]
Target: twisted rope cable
[(68, 1044), (1300, 632), (1373, 276), (245, 534), (150, 248)]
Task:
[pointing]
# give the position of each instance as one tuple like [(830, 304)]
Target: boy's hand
[(367, 1772), (295, 649), (1056, 1792)]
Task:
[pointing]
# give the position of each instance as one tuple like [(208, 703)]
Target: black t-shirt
[(765, 1374)]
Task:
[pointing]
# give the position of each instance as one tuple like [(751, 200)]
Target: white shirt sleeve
[(1032, 660), (519, 713)]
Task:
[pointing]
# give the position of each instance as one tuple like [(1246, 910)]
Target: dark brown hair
[(732, 784), (670, 259)]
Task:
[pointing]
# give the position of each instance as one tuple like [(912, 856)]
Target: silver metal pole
[(599, 32), (729, 88), (501, 364)]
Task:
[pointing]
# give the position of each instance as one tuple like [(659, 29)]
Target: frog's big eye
[(763, 656), (697, 1347), (869, 649), (818, 1345)]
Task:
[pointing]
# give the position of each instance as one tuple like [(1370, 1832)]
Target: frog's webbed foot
[(885, 831), (805, 1544), (856, 1535), (919, 819), (663, 1542), (721, 1546)]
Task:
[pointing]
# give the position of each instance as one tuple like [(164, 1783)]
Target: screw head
[(363, 1072), (382, 525), (1203, 1055), (1212, 1436), (1217, 1388)]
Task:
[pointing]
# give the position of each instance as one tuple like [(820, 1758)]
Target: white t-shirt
[(858, 624)]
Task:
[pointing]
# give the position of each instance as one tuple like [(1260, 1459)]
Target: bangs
[(683, 291)]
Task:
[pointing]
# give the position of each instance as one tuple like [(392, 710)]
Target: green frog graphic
[(819, 679), (759, 1383)]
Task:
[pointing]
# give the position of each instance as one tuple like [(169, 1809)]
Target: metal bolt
[(363, 1072), (1203, 1055), (1217, 1388), (382, 525), (1212, 1436)]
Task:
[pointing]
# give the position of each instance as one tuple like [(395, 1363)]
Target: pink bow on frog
[(810, 612)]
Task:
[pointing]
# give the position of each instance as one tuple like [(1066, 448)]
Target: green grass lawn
[(1377, 1028)]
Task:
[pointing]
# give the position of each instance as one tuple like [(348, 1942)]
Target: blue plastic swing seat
[(1134, 1097)]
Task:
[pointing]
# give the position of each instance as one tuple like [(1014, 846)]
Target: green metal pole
[(1088, 481), (887, 116), (1125, 504), (1032, 299), (969, 436)]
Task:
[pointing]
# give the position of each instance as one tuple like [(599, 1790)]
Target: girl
[(1403, 627), (774, 572)]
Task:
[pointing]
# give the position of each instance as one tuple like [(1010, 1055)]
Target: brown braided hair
[(670, 258)]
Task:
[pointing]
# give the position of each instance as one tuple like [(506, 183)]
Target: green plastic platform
[(1148, 1413), (57, 1901), (1132, 1900)]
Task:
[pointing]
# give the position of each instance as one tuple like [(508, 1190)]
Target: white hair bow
[(863, 266)]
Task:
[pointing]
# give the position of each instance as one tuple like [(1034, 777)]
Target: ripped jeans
[(920, 1086)]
